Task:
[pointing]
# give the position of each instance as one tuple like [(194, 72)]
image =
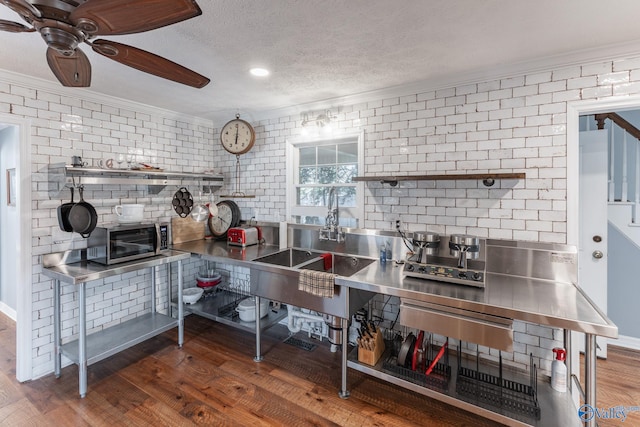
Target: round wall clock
[(237, 136), (228, 216)]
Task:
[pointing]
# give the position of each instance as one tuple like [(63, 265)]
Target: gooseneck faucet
[(332, 230)]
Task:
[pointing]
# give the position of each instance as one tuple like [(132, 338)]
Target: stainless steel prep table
[(100, 345), (550, 303)]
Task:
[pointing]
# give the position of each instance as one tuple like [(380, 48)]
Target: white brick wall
[(509, 125)]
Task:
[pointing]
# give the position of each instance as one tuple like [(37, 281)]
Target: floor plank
[(213, 380)]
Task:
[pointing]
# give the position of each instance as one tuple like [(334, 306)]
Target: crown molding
[(502, 71), (36, 83)]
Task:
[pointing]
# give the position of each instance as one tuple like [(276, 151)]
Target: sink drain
[(296, 342)]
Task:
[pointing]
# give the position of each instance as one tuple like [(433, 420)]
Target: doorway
[(574, 213), (16, 171)]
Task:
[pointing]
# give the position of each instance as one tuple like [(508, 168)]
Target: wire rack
[(439, 376), (231, 295), (498, 391)]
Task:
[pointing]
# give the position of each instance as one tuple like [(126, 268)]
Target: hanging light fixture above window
[(321, 120)]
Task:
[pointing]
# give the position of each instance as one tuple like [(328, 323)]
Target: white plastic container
[(559, 370), (191, 295), (247, 309)]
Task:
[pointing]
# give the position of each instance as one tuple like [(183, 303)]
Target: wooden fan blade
[(14, 27), (115, 17), (23, 8), (149, 63), (73, 71)]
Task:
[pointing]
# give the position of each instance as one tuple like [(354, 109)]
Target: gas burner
[(451, 274), (461, 261)]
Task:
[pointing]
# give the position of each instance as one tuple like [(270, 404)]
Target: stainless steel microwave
[(127, 242)]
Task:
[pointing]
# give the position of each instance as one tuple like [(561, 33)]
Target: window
[(314, 168)]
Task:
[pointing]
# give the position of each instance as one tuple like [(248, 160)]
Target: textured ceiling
[(320, 50)]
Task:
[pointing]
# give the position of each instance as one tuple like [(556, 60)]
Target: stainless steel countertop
[(81, 272), (550, 303)]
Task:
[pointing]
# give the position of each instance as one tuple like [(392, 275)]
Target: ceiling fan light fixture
[(60, 40)]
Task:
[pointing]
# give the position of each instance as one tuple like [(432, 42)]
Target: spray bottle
[(559, 370)]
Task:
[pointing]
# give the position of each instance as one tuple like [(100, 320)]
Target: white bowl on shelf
[(191, 295)]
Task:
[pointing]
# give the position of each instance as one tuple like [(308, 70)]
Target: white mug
[(130, 212)]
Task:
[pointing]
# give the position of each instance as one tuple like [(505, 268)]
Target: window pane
[(308, 175), (327, 155), (347, 196), (345, 173), (326, 174), (312, 220), (310, 196), (308, 156), (348, 153)]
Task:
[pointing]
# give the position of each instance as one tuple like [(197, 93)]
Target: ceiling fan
[(65, 24)]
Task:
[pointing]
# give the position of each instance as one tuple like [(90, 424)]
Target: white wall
[(513, 124), (9, 223)]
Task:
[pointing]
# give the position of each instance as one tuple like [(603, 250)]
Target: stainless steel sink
[(289, 257), (343, 265), (276, 277)]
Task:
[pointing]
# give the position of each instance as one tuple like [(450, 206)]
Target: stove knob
[(477, 276), (421, 269), (462, 274), (409, 267)]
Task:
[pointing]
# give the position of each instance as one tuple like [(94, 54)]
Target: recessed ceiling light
[(259, 72)]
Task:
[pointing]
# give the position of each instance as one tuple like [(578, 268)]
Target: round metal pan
[(83, 217), (182, 202), (404, 358), (63, 214)]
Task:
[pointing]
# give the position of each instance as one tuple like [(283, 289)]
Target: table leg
[(153, 289), (180, 307), (57, 357), (590, 375), (258, 357), (567, 347), (82, 339), (344, 393)]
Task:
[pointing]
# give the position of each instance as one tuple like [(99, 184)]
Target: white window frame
[(292, 166)]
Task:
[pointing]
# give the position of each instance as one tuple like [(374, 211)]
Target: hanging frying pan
[(63, 214), (83, 217)]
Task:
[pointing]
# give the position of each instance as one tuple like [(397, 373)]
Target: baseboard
[(626, 342), (8, 311)]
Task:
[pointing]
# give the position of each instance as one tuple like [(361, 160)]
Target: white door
[(592, 249)]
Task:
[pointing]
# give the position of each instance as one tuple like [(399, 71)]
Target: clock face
[(220, 224), (228, 216), (237, 136)]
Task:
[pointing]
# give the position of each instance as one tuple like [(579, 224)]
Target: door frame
[(574, 110), (24, 318)]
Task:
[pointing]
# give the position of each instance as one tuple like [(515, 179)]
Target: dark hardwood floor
[(213, 380)]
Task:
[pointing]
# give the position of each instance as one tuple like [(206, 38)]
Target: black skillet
[(83, 217), (63, 214)]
